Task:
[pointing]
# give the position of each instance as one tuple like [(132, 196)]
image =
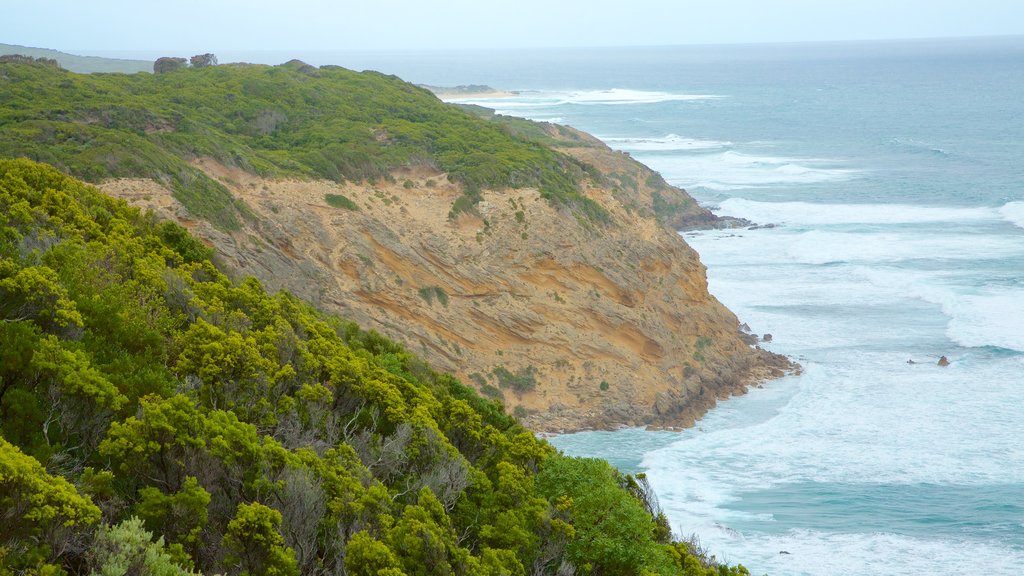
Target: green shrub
[(522, 380), (340, 201), (491, 391), (428, 293)]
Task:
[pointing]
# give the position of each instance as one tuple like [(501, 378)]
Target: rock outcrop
[(573, 324)]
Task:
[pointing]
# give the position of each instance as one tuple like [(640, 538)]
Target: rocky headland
[(573, 324)]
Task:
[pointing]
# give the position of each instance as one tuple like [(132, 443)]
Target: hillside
[(80, 64), (158, 418), (529, 259)]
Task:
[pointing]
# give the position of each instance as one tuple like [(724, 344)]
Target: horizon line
[(86, 51)]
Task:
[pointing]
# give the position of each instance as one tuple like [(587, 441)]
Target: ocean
[(894, 173)]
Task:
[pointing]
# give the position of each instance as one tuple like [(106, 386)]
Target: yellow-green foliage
[(33, 506), (214, 427)]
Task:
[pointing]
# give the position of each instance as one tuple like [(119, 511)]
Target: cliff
[(572, 325), (531, 260)]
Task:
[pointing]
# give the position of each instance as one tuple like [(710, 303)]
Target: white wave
[(820, 247), (672, 142), (612, 97), (811, 213), (625, 96), (985, 316), (991, 319), (731, 170), (1014, 212)]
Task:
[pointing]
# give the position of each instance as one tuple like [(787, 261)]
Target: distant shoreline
[(469, 92)]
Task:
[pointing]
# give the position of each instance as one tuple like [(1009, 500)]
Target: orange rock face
[(575, 325)]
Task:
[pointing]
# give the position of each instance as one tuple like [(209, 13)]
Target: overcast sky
[(201, 25)]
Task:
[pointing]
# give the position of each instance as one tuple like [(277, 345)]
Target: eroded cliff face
[(574, 325)]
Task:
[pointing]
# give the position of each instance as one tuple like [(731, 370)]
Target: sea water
[(894, 173)]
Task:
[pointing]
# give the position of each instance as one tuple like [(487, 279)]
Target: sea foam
[(611, 97), (989, 319), (1014, 212), (670, 143), (813, 213), (731, 170)]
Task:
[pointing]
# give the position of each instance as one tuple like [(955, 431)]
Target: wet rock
[(766, 338), (943, 361)]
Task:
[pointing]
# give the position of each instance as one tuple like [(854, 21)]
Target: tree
[(369, 557), (168, 64), (38, 512), (181, 516), (613, 530), (255, 546), (203, 60)]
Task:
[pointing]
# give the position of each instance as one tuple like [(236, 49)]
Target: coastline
[(470, 92), (677, 412)]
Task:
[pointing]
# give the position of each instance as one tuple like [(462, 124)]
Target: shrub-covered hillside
[(158, 418), (288, 120)]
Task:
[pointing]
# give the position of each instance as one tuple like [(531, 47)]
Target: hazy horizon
[(319, 25)]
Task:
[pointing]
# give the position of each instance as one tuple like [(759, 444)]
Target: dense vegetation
[(288, 120), (158, 418)]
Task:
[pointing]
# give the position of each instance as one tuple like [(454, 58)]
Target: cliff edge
[(574, 325)]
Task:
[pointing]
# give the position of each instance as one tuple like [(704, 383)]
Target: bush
[(521, 381), (428, 293), (341, 201)]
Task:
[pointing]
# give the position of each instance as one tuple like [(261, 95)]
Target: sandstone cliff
[(573, 324)]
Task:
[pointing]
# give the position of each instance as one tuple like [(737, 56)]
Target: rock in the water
[(766, 338), (943, 361)]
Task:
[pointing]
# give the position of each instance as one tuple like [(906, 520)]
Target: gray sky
[(201, 25)]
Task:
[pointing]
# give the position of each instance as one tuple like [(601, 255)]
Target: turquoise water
[(895, 174)]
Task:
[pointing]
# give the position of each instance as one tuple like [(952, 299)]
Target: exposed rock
[(744, 327), (943, 361), (567, 302), (766, 338)]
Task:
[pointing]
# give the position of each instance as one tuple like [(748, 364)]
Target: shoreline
[(767, 368), (470, 92)]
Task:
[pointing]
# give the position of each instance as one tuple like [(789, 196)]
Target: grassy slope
[(288, 120)]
